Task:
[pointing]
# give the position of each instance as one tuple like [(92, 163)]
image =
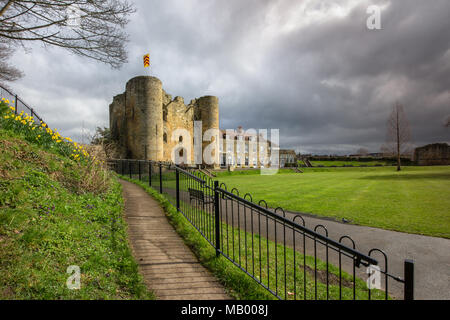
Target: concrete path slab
[(169, 267)]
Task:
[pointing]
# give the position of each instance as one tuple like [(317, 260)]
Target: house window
[(165, 137)]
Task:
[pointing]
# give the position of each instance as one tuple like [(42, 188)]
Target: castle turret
[(144, 118), (116, 116), (208, 112)]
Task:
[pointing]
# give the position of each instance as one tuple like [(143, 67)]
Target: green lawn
[(415, 200)]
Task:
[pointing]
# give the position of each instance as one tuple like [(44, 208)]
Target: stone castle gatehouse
[(144, 121)]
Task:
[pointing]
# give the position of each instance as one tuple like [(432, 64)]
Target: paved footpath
[(169, 267), (431, 255)]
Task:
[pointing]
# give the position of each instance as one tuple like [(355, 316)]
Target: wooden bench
[(199, 195)]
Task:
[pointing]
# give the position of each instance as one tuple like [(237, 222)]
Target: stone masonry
[(432, 154)]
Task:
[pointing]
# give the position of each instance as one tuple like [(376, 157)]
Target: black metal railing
[(271, 246), (19, 105)]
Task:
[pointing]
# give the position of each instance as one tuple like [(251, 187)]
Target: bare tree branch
[(398, 135), (7, 72), (89, 28), (5, 7)]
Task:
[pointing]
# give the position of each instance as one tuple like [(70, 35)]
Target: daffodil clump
[(40, 133)]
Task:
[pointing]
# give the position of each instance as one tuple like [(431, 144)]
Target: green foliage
[(354, 163), (25, 127), (248, 172), (102, 136), (49, 221)]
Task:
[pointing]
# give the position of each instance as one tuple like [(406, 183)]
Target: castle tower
[(116, 116), (144, 118), (208, 112)]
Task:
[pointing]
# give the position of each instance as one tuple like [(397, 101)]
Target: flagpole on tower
[(147, 61)]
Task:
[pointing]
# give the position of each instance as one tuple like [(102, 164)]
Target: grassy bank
[(414, 200), (59, 210), (244, 245)]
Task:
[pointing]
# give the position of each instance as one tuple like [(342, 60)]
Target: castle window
[(165, 115), (181, 153), (180, 139), (165, 137)]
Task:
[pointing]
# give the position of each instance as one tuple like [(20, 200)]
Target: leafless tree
[(90, 28), (7, 72), (447, 122), (398, 134)]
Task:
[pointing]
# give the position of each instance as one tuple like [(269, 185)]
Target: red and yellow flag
[(146, 60)]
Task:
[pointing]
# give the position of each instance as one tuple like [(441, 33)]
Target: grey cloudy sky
[(310, 68)]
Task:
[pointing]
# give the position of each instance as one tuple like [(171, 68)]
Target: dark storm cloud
[(310, 68)]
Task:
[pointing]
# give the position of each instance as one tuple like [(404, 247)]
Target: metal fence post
[(15, 105), (149, 173), (129, 169), (409, 280), (217, 216), (177, 175), (122, 167), (139, 169), (160, 178)]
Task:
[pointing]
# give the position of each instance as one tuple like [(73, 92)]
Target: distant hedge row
[(359, 159)]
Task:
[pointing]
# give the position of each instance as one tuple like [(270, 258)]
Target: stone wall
[(177, 116), (432, 154)]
